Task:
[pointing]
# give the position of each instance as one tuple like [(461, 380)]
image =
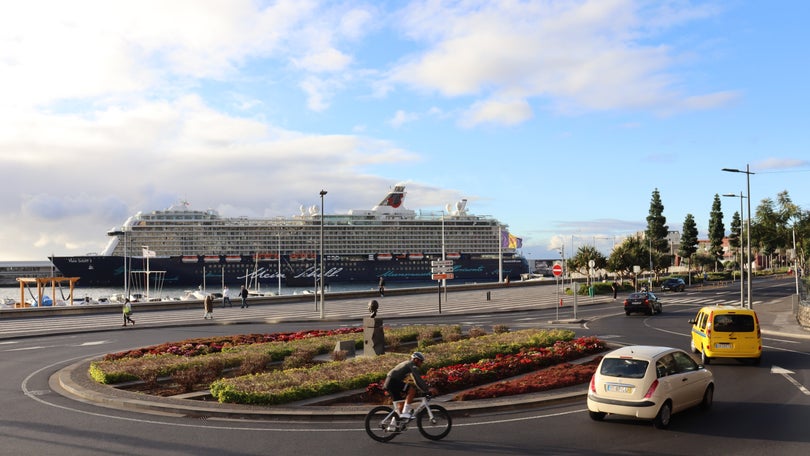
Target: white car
[(650, 383)]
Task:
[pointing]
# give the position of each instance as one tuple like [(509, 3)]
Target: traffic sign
[(556, 270), (441, 269), (441, 263), (444, 276)]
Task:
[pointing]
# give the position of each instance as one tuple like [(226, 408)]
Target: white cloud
[(575, 56), (781, 163), (504, 112), (401, 118)]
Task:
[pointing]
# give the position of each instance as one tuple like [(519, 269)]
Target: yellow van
[(726, 332)]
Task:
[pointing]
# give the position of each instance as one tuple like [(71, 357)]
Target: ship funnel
[(461, 207)]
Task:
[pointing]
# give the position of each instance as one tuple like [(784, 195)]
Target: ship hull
[(193, 271)]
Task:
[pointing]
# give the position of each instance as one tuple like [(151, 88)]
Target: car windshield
[(733, 323), (624, 367), (638, 296)]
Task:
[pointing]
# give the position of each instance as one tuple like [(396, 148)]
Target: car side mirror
[(692, 321)]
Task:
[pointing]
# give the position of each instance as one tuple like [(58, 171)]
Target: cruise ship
[(186, 247)]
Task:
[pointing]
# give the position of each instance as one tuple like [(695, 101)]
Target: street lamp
[(123, 232), (742, 295), (748, 174), (323, 192)]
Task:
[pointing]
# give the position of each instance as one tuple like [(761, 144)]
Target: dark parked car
[(642, 301), (674, 284)]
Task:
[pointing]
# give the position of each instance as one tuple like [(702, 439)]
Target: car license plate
[(722, 345), (613, 388)]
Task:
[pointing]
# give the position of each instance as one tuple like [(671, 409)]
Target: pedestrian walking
[(208, 304), (615, 287), (243, 294), (127, 309), (226, 297), (382, 286)]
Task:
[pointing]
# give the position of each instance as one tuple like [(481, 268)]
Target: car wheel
[(703, 358), (597, 416), (627, 313), (708, 398), (664, 416)]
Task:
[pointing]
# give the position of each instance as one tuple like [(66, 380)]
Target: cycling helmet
[(418, 355)]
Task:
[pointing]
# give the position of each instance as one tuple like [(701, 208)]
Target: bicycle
[(383, 423)]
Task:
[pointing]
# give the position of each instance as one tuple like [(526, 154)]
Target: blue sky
[(559, 118)]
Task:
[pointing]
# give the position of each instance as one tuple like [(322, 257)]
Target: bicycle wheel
[(436, 428), (378, 421)]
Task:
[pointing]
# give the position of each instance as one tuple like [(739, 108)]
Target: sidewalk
[(776, 319)]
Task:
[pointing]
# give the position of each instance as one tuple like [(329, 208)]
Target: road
[(756, 411)]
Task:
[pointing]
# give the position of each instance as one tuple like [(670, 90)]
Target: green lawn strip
[(282, 386), (149, 368)]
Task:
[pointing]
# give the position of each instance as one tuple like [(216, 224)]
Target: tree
[(581, 261), (765, 232), (632, 252), (717, 230), (689, 239), (735, 237), (657, 229)]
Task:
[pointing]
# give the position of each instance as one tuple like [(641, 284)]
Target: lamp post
[(742, 295), (748, 174), (123, 232), (323, 192)]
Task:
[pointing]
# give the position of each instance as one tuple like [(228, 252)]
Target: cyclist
[(404, 379)]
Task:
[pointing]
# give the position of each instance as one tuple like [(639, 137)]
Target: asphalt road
[(758, 409)]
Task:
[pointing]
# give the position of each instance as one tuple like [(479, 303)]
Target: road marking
[(97, 342), (787, 374)]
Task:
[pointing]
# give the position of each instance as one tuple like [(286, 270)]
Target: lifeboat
[(190, 259), (211, 258), (415, 256), (384, 256), (453, 256), (233, 258)]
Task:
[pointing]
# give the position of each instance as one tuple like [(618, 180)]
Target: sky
[(558, 118)]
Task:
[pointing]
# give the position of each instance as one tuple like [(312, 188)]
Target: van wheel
[(692, 346), (664, 416), (703, 358), (597, 416), (708, 398)]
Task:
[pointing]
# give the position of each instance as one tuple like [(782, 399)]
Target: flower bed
[(455, 362), (279, 387), (249, 353), (457, 377), (557, 376)]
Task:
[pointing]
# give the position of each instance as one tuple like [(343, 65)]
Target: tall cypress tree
[(689, 238), (717, 230), (657, 229)]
